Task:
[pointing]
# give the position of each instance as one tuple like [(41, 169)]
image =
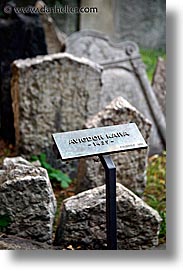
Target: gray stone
[(27, 199), (68, 22), (102, 20), (11, 242), (55, 39), (130, 165), (141, 21), (123, 75), (52, 93), (83, 221), (159, 83)]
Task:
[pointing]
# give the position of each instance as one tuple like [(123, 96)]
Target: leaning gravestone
[(159, 83), (27, 201), (123, 75), (53, 93), (82, 221), (131, 165), (55, 39)]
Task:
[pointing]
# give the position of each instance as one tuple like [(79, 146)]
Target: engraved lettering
[(73, 141), (98, 138)]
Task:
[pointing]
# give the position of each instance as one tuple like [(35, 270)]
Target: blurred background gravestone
[(123, 75), (159, 83), (55, 39)]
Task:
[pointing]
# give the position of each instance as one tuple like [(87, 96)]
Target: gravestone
[(123, 75), (159, 83), (21, 36), (55, 39), (27, 200), (141, 21), (53, 93), (130, 165), (82, 221)]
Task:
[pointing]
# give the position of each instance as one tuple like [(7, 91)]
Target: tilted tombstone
[(159, 83), (130, 165), (82, 221), (123, 75), (55, 39), (27, 200), (53, 93)]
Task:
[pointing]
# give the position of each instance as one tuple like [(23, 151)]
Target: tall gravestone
[(141, 21), (21, 36), (123, 75), (52, 93), (131, 165), (159, 83), (55, 39)]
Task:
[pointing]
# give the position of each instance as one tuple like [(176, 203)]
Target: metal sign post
[(111, 221), (100, 142)]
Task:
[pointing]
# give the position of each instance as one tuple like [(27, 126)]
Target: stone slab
[(27, 200), (124, 75), (130, 165), (52, 93), (83, 221)]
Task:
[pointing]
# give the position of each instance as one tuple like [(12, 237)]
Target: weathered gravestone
[(131, 165), (27, 200), (159, 83), (53, 93), (141, 21), (55, 39), (21, 36), (82, 221), (123, 75)]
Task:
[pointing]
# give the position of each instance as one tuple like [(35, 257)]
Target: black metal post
[(111, 221)]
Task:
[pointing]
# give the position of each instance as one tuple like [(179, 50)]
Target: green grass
[(155, 192), (150, 57)]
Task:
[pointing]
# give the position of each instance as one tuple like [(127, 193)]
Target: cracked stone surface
[(131, 165), (83, 221), (27, 199), (52, 93)]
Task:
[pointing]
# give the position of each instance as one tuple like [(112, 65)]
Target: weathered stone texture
[(123, 75), (159, 83), (55, 39), (83, 221), (131, 165), (52, 93), (11, 242), (141, 21), (98, 47), (27, 198)]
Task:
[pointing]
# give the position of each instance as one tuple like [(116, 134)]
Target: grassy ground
[(155, 192), (150, 57)]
